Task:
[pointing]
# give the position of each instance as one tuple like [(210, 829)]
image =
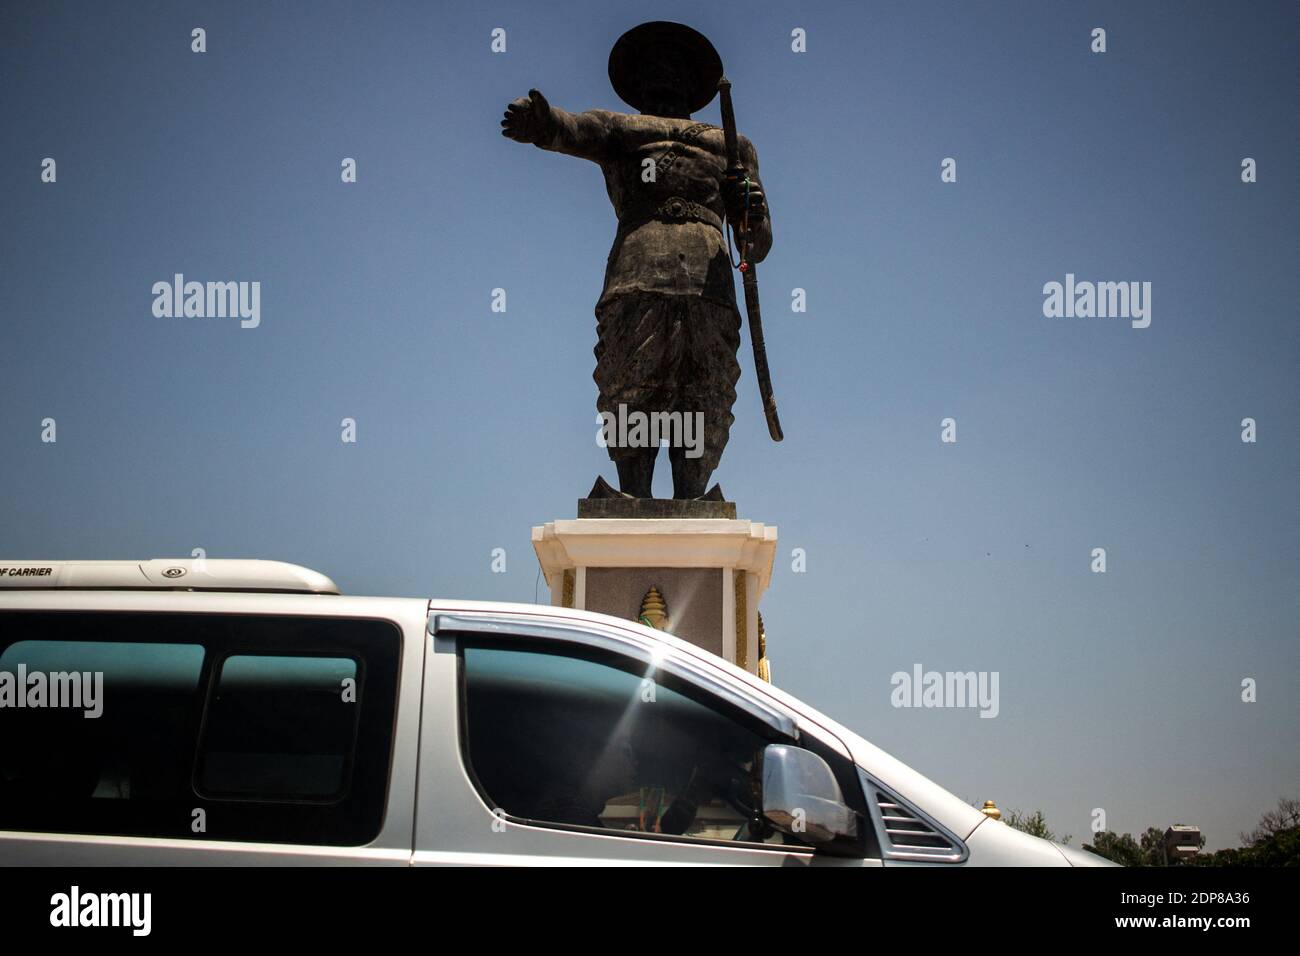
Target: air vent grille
[(907, 834)]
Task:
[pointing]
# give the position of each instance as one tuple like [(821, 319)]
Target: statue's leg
[(709, 375), (631, 353), (636, 472), (690, 475)]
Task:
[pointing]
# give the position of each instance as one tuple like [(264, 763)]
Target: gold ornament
[(654, 611), (764, 666)]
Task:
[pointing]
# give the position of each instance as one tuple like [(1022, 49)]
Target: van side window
[(592, 740), (194, 726), (280, 728), (61, 739)]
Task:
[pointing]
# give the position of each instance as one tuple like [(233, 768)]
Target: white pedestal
[(711, 573)]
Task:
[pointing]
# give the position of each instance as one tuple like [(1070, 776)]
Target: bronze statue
[(668, 327)]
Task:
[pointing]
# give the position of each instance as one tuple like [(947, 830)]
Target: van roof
[(169, 574)]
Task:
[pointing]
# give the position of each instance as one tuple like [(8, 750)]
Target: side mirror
[(801, 796)]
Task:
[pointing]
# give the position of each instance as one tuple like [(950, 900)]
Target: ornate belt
[(672, 209)]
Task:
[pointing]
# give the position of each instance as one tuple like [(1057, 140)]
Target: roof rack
[(165, 574)]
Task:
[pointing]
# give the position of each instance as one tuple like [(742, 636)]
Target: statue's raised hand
[(527, 119), (739, 192)]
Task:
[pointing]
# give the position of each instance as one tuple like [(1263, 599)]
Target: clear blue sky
[(1118, 691)]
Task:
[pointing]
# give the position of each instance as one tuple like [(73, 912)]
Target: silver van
[(211, 712)]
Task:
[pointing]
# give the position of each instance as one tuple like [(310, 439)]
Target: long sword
[(749, 273)]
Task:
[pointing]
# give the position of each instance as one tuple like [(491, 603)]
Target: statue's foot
[(603, 489), (713, 494)]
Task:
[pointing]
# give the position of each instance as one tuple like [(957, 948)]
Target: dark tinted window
[(280, 727), (96, 720), (602, 742), (295, 716)]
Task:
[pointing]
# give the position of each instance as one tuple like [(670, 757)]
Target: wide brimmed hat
[(640, 44)]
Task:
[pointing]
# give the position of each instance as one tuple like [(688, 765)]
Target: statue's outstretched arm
[(587, 135), (532, 119)]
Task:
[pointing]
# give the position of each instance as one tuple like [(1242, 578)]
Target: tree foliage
[(1274, 842), (1035, 824)]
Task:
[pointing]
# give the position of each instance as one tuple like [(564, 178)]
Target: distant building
[(1182, 842)]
